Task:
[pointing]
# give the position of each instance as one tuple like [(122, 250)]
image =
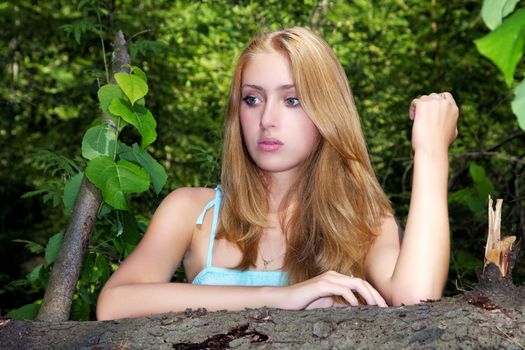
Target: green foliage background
[(392, 51)]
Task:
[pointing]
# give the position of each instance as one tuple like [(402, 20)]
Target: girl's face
[(277, 132)]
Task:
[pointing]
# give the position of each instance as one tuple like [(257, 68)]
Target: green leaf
[(54, 163), (85, 295), (79, 310), (504, 45), (510, 5), (26, 312), (137, 71), (34, 275), (95, 268), (116, 180), (138, 116), (104, 210), (108, 93), (475, 203), (102, 266), (468, 262), (120, 226), (134, 87), (459, 196), (32, 246), (147, 48), (71, 192), (482, 183), (155, 170), (98, 141), (130, 235), (80, 27), (518, 104), (493, 11), (88, 274), (53, 247)]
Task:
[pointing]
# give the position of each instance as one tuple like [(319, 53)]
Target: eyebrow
[(257, 87)]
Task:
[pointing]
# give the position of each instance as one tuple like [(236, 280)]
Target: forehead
[(268, 69)]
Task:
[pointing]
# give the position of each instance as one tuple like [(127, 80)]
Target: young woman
[(299, 220)]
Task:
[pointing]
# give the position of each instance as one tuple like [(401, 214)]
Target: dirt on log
[(455, 322)]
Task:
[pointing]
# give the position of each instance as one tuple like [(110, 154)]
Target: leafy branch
[(504, 46)]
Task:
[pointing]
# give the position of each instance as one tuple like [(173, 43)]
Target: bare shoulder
[(189, 198), (167, 238), (390, 227), (180, 209)]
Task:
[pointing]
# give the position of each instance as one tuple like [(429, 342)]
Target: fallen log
[(490, 316), (449, 323)]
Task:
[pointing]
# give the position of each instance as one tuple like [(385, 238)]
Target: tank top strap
[(216, 203)]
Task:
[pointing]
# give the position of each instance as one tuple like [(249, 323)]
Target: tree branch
[(63, 278)]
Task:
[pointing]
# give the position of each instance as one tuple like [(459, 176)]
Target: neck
[(280, 184)]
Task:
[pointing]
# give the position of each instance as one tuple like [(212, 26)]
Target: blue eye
[(292, 101), (251, 100)]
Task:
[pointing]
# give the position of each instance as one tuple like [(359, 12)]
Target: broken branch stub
[(497, 250)]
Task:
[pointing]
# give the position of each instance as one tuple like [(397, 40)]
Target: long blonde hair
[(339, 204)]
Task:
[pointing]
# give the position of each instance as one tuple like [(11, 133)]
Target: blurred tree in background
[(393, 51)]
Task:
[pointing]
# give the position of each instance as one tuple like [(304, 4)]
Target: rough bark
[(66, 269), (120, 55), (449, 323)]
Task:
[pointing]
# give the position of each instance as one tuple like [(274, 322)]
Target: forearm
[(423, 262), (137, 300)]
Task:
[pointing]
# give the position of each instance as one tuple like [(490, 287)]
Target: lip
[(269, 144)]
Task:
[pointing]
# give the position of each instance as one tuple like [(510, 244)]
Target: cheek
[(246, 125), (310, 132)]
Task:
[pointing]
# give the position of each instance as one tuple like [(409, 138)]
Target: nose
[(269, 115)]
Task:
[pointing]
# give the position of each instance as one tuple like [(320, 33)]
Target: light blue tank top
[(218, 276)]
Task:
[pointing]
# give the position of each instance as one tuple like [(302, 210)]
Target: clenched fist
[(435, 122)]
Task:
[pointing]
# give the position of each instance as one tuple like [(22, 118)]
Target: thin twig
[(505, 98), (510, 338), (139, 33), (487, 154), (405, 173), (103, 46), (506, 139), (383, 182)]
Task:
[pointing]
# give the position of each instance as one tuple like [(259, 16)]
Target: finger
[(320, 303), (350, 297), (412, 109), (448, 96), (365, 289), (365, 292), (357, 285), (345, 292), (380, 300), (312, 305)]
